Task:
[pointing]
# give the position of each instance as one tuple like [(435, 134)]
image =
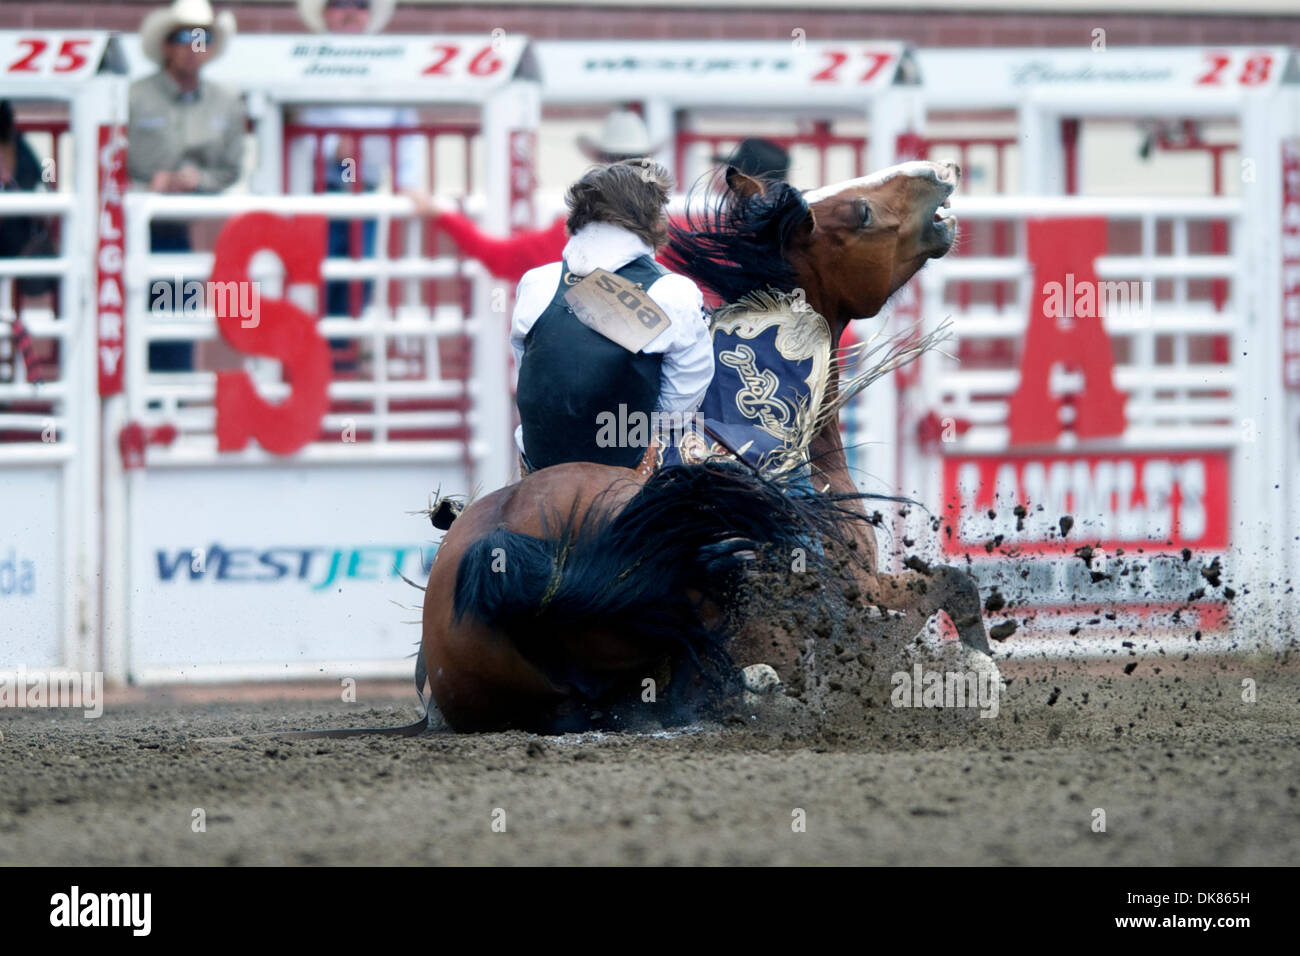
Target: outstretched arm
[(506, 258)]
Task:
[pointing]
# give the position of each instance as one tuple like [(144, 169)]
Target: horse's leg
[(918, 594), (830, 474)]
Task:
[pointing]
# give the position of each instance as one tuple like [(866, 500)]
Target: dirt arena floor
[(1186, 771)]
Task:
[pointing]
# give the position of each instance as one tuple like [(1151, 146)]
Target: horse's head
[(866, 237), (849, 246)]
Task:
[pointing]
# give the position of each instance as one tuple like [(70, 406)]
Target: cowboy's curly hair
[(632, 193)]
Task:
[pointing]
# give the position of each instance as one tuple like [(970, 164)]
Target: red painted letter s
[(281, 331)]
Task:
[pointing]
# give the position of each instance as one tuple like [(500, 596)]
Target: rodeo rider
[(570, 374)]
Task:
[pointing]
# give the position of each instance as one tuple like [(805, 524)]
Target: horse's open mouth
[(942, 221), (942, 229), (944, 212)]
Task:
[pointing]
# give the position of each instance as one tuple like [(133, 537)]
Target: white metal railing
[(1175, 398), (1177, 361), (403, 389), (38, 408), (409, 411), (49, 442)]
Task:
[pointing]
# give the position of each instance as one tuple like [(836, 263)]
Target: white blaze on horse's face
[(946, 172), (882, 228)]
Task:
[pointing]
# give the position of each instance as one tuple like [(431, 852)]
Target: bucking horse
[(553, 600)]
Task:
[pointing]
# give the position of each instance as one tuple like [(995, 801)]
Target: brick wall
[(583, 22)]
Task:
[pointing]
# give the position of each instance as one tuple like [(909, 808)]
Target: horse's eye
[(864, 213)]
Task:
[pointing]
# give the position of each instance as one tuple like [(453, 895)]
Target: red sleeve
[(506, 258)]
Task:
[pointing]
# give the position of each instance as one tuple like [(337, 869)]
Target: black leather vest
[(571, 376)]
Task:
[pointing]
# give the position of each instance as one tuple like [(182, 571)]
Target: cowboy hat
[(759, 158), (158, 24), (622, 136), (312, 13)]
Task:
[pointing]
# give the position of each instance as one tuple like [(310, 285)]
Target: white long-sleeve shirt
[(686, 344)]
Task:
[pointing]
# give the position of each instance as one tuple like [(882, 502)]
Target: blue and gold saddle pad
[(771, 365)]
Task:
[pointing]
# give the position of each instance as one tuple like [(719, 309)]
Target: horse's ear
[(742, 185)]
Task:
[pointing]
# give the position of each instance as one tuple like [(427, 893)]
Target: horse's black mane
[(736, 245)]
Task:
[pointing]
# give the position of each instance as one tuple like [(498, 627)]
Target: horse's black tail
[(691, 528)]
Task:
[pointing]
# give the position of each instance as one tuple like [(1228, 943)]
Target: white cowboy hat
[(623, 134), (155, 27), (312, 13)]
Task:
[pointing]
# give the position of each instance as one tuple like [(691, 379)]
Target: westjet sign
[(317, 567)]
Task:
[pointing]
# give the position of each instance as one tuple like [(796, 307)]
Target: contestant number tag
[(617, 309)]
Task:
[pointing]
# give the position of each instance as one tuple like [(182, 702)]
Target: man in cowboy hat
[(623, 135), (184, 134), (367, 157), (356, 163), (346, 16)]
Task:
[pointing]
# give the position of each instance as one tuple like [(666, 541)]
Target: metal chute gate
[(1117, 349), (246, 497), (65, 87)]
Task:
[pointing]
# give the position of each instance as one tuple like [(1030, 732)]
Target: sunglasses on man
[(188, 35), (348, 4)]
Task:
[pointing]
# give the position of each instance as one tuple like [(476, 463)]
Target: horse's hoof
[(761, 679), (763, 698), (982, 664)]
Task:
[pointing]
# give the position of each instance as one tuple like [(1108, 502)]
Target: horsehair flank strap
[(617, 308), (410, 730)]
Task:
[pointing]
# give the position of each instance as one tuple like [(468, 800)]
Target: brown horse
[(847, 248), (583, 584)]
